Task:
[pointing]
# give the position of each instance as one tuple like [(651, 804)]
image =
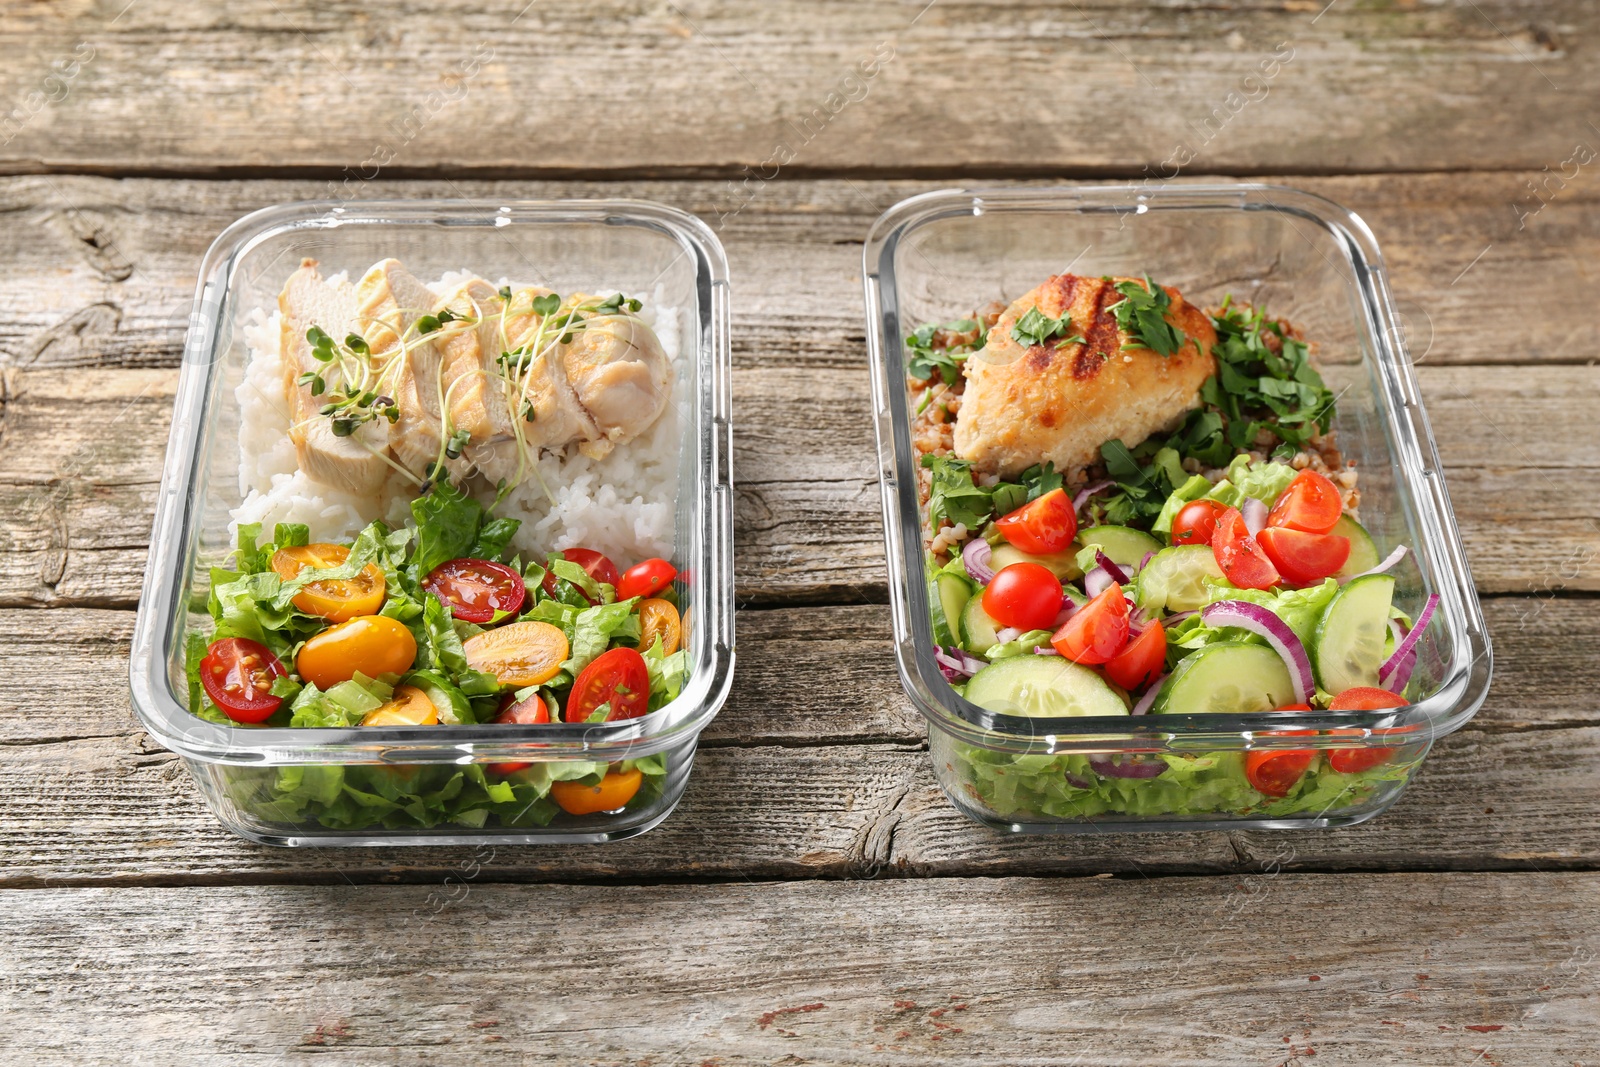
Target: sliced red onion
[(1177, 616), (1096, 581), (975, 557), (1255, 515), (1398, 631), (1075, 782), (1088, 491), (1069, 608), (1262, 621), (1010, 633), (1149, 697), (1045, 649), (1400, 674), (1396, 670), (1116, 573), (1145, 562), (1388, 561), (957, 663), (1133, 768)]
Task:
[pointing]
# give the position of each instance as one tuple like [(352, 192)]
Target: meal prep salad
[(1137, 507), (438, 620)]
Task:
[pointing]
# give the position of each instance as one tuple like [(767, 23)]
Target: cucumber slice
[(1363, 553), (1352, 634), (1174, 579), (1231, 678), (1123, 545), (1043, 687), (978, 632), (1063, 565), (950, 595)]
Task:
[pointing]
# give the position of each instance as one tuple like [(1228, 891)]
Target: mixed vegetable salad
[(1217, 571), (431, 625)]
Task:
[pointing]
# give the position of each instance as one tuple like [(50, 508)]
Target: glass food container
[(941, 255), (373, 785)]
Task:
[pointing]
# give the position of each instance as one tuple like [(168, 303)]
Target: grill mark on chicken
[(1064, 290), (1100, 338)]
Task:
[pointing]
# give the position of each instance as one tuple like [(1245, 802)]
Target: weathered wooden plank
[(101, 273), (89, 800), (1271, 968), (75, 514), (897, 87)]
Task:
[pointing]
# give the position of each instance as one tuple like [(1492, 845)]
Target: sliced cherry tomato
[(237, 674), (659, 619), (529, 652), (1241, 559), (369, 644), (409, 706), (333, 599), (1141, 660), (1273, 772), (1024, 595), (611, 794), (1097, 631), (1196, 521), (1302, 557), (1362, 698), (475, 589), (1043, 526), (1311, 503), (618, 680), (646, 579), (595, 565), (532, 711)]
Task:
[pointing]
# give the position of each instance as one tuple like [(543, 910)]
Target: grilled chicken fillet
[(1024, 404)]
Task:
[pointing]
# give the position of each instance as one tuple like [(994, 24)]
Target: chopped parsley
[(1258, 388), (928, 355), (1035, 328), (955, 496), (1142, 312)]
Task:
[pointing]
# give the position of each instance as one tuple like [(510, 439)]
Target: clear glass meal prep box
[(591, 246), (941, 255)]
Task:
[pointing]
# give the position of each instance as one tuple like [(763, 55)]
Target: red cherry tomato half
[(1024, 595), (1042, 527), (1141, 660), (1362, 698), (617, 678), (475, 589), (1097, 631), (594, 565), (1274, 772), (237, 674), (524, 712), (1311, 503), (646, 579), (1303, 557), (1196, 521), (1241, 559)]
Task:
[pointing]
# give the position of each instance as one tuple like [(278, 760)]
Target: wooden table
[(814, 898)]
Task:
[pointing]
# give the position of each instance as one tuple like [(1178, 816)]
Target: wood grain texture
[(897, 87), (1270, 968), (829, 781)]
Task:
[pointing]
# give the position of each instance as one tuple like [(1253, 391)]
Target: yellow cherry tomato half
[(409, 706), (658, 618), (336, 600), (613, 792), (370, 644), (523, 653)]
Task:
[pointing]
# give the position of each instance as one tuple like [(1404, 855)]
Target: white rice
[(622, 505)]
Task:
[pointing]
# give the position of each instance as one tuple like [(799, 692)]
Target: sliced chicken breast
[(620, 375), (357, 463), (1024, 404), (390, 299)]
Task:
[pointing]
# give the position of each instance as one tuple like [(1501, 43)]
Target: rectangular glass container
[(938, 256), (580, 245)]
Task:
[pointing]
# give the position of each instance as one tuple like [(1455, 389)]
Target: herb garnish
[(1035, 328), (1142, 313), (1265, 381), (945, 357), (955, 496)]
